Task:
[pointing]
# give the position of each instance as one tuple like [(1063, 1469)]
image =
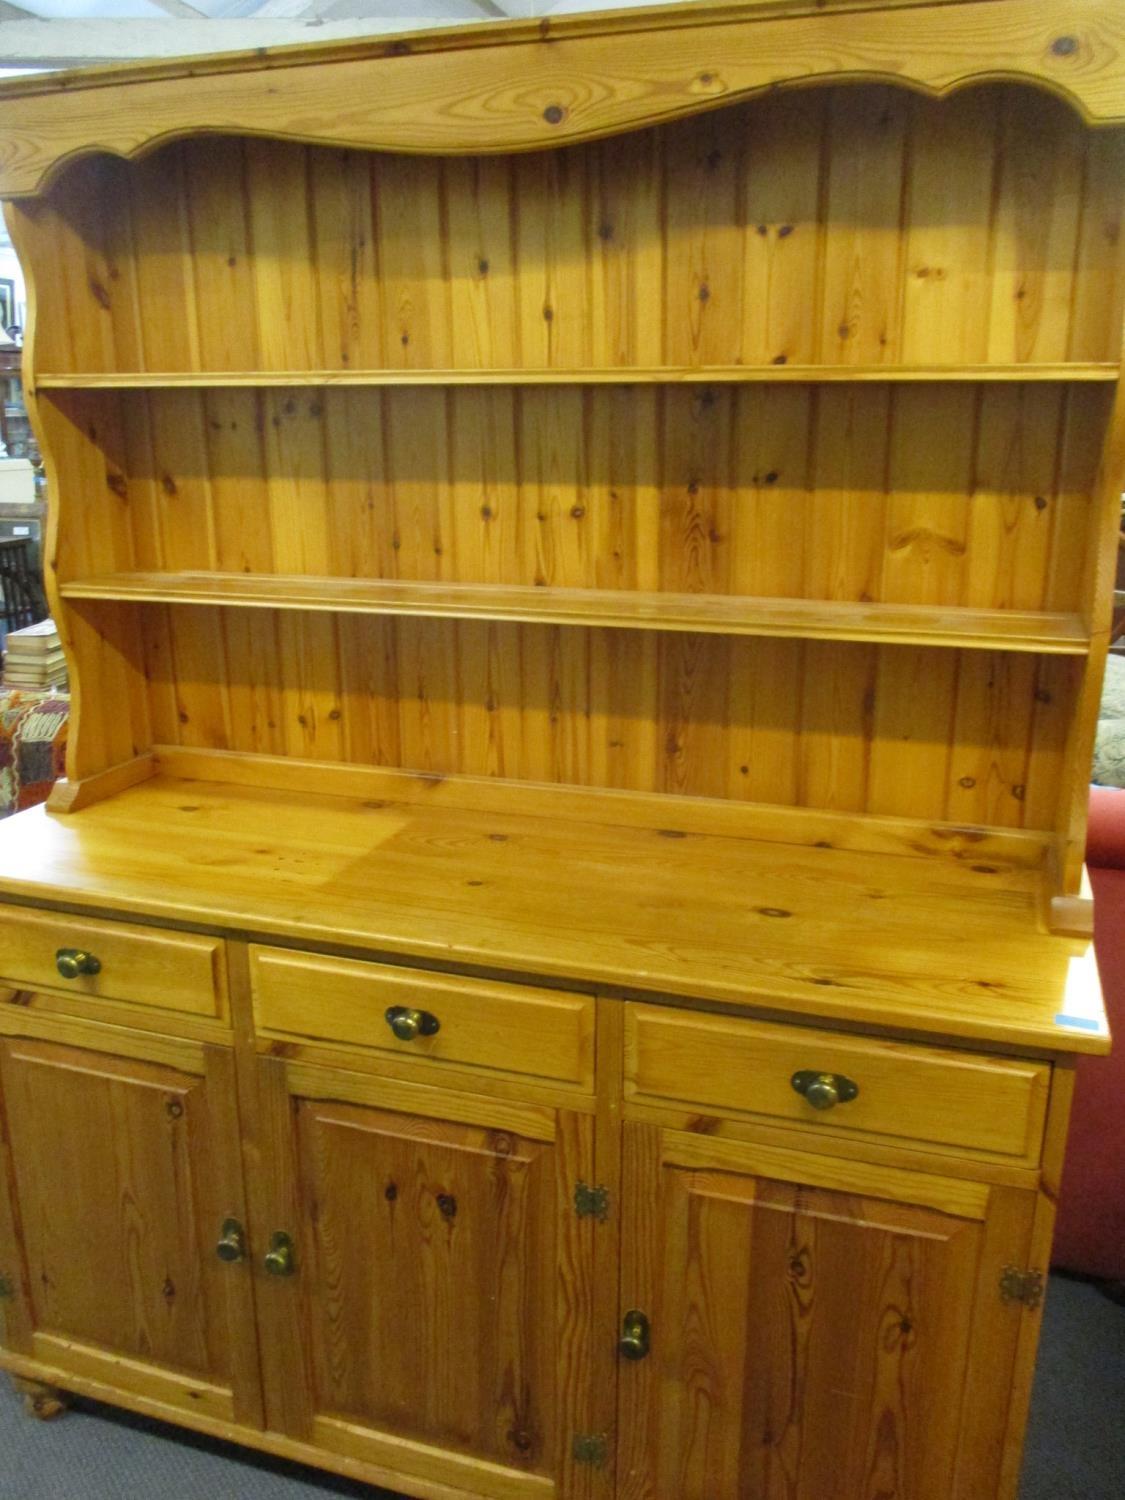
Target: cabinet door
[(120, 1173), (820, 1329), (436, 1318)]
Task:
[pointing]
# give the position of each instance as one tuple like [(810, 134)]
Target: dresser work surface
[(938, 945), (584, 550)]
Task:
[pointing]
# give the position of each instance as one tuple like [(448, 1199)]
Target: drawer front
[(544, 1034), (178, 971), (923, 1095)]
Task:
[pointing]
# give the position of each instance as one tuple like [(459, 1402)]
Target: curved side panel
[(533, 95), (109, 704)]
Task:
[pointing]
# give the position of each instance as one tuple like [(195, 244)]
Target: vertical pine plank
[(286, 304), (346, 288), (1036, 227), (845, 513), (946, 268), (480, 208), (864, 204), (703, 291), (769, 521), (781, 185), (165, 276), (834, 737), (911, 731), (1099, 268), (551, 224), (934, 436), (222, 254), (406, 195), (626, 250)]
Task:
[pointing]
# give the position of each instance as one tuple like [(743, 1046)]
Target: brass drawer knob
[(232, 1241), (408, 1024), (280, 1259), (824, 1090), (71, 962), (636, 1336)]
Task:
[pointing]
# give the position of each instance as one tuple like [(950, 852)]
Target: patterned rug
[(32, 746)]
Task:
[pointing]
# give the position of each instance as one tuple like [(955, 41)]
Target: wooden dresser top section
[(534, 85), (938, 944)]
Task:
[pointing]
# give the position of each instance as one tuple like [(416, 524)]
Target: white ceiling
[(61, 33)]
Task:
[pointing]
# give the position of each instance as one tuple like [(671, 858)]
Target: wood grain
[(830, 933), (454, 98), (154, 1175), (781, 1395)]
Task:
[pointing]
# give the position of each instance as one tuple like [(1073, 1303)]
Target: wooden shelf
[(654, 375), (712, 614)]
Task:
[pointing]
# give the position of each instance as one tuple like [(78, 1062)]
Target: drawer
[(510, 1028), (927, 1096), (179, 971)]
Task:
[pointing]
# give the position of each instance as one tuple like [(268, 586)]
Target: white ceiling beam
[(61, 44)]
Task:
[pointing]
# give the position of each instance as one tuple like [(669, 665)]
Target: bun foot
[(43, 1402)]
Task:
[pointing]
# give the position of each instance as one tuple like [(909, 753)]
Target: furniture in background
[(33, 730), (13, 414), (1091, 1226), (557, 965), (21, 591)]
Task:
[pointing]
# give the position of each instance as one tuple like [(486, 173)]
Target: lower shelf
[(714, 614)]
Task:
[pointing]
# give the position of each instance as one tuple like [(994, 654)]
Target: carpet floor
[(1075, 1446)]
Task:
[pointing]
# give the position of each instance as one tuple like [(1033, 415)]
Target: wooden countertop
[(926, 944)]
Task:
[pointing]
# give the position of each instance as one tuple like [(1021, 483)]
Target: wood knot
[(554, 114), (1064, 46)]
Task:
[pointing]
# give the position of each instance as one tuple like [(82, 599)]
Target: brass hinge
[(591, 1448), (7, 1289), (1021, 1286), (591, 1202)]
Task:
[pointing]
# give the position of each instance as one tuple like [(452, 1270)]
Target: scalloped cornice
[(525, 87)]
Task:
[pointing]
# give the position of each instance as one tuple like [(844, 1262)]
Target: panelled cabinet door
[(812, 1342), (119, 1175), (434, 1316)]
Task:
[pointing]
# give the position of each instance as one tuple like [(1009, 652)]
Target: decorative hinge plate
[(591, 1202), (1021, 1286), (591, 1448), (7, 1289)]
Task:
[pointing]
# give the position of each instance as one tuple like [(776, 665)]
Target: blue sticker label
[(1087, 1023)]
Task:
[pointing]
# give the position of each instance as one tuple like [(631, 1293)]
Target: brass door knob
[(280, 1259), (408, 1024), (71, 962), (824, 1090), (636, 1336), (232, 1241)]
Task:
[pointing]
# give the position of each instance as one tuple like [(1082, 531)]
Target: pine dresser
[(584, 549)]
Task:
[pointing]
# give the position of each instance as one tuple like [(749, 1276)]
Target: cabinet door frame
[(60, 1360), (1006, 1215), (388, 1457)]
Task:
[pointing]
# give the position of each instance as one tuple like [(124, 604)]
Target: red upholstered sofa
[(1090, 1235)]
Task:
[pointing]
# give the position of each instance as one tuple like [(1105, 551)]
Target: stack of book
[(34, 657)]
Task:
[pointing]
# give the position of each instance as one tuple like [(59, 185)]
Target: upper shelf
[(621, 375), (711, 614)]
